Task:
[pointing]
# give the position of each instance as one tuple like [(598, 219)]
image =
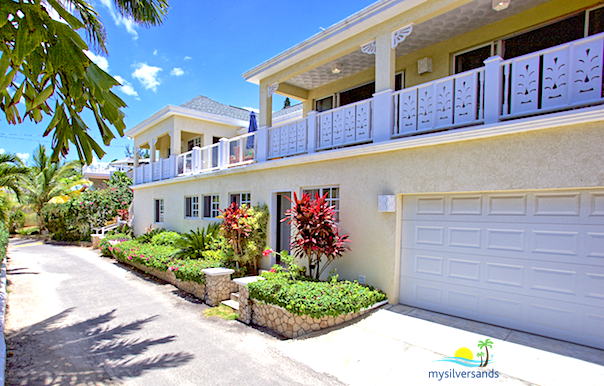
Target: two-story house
[(460, 141)]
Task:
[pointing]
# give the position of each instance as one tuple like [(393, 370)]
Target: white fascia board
[(170, 111), (366, 18), (550, 121)]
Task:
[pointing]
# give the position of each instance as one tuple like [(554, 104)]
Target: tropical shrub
[(105, 242), (148, 236), (3, 242), (193, 244), (317, 234), (245, 231), (314, 298), (156, 256), (166, 238), (191, 270), (16, 220)]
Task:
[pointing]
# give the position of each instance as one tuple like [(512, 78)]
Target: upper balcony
[(563, 77)]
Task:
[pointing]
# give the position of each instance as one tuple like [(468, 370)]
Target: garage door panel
[(532, 261)]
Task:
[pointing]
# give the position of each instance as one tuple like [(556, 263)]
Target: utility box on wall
[(424, 65), (387, 203)]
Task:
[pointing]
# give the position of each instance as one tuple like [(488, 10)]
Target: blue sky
[(202, 48)]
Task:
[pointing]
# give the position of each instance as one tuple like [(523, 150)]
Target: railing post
[(134, 175), (172, 166), (161, 168), (311, 136), (223, 153), (383, 116), (262, 144), (493, 86), (196, 164)]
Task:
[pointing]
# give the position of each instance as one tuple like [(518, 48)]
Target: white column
[(262, 144), (384, 85), (175, 141), (311, 136), (493, 84), (266, 106), (153, 142)]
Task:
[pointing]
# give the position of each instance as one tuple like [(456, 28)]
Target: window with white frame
[(211, 206), (333, 197), (193, 142), (192, 207), (159, 210), (241, 199)]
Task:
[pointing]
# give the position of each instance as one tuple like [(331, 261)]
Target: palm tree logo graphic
[(463, 356)]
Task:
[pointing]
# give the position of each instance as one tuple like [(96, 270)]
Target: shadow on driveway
[(87, 352)]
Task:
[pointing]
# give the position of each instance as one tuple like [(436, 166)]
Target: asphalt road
[(77, 318)]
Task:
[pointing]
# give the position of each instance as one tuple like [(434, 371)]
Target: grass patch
[(222, 312)]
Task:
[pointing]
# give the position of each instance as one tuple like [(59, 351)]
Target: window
[(399, 81), (357, 94), (324, 104), (241, 199), (195, 142), (333, 197), (473, 58), (596, 21), (192, 207), (159, 210), (211, 206)]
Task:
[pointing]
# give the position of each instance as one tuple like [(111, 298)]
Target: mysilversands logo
[(464, 357)]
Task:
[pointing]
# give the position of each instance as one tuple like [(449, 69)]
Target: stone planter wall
[(292, 326), (218, 285)]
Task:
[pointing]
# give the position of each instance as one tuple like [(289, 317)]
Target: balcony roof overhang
[(368, 17), (170, 111), (466, 17)]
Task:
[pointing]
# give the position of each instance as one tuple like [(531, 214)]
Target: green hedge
[(3, 243), (314, 298)]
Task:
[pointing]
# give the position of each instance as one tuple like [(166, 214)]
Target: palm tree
[(486, 344), (12, 178), (48, 180), (480, 355)]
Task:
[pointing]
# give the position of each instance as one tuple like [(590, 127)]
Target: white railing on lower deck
[(241, 150), (289, 139), (346, 125), (147, 173), (448, 102), (565, 76)]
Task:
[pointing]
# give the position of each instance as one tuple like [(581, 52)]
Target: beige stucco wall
[(568, 157), (441, 53)]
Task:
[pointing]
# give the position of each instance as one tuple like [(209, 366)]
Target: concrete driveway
[(76, 318)]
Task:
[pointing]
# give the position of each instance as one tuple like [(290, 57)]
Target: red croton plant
[(317, 235), (235, 228)]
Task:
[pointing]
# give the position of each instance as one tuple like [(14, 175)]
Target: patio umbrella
[(253, 128)]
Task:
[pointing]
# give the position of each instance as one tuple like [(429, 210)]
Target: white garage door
[(532, 261)]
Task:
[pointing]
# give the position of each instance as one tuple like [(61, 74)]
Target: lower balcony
[(563, 77)]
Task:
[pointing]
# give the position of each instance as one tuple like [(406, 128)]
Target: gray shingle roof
[(287, 110), (207, 105)]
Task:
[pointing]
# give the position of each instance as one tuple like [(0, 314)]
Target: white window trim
[(193, 140), (212, 210), (329, 200), (249, 204), (192, 210), (161, 215)]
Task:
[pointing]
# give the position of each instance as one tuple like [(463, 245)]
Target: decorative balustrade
[(347, 125), (554, 79), (289, 139), (561, 77), (456, 100)]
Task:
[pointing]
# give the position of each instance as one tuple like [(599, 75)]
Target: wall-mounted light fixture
[(336, 69), (500, 5), (387, 203), (424, 65)]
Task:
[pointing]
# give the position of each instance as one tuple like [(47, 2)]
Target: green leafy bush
[(35, 230), (148, 236), (166, 238), (105, 244), (193, 244), (314, 298), (16, 220), (3, 242), (191, 270)]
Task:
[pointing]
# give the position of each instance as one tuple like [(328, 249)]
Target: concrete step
[(231, 303), (235, 296)]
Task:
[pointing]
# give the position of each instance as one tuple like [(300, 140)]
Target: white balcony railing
[(558, 78), (561, 77), (347, 125), (288, 140), (456, 100)]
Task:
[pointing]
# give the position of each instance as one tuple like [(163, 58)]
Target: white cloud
[(257, 111), (154, 52), (120, 20), (177, 71), (187, 58), (126, 87), (2, 151), (98, 60), (23, 156), (147, 75)]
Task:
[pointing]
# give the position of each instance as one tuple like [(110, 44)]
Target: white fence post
[(262, 144), (493, 84), (383, 116), (311, 136)]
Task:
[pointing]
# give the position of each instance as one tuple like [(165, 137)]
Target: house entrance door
[(283, 229)]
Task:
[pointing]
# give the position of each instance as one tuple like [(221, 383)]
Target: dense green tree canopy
[(43, 64)]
